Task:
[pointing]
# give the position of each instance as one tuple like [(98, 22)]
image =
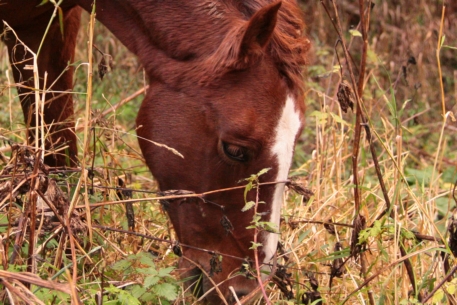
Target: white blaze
[(283, 148)]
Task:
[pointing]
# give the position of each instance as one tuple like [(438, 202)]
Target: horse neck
[(165, 34)]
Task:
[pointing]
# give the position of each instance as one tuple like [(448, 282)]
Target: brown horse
[(225, 91)]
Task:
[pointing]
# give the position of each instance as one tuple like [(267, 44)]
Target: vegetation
[(386, 244)]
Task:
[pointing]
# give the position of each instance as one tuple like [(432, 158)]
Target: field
[(392, 242)]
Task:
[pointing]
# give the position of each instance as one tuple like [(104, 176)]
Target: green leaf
[(166, 290), (60, 13), (249, 205), (407, 234), (443, 38), (122, 265), (376, 230), (302, 236), (148, 297), (146, 259), (137, 291), (126, 298), (43, 2), (451, 289), (256, 218), (50, 296), (247, 188), (355, 33), (438, 296), (3, 221), (150, 281), (321, 117), (318, 301), (123, 296), (450, 47), (418, 175), (270, 227), (165, 271), (372, 57), (339, 119), (263, 171), (336, 69), (255, 245), (151, 271)]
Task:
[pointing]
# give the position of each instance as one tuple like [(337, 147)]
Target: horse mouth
[(195, 281)]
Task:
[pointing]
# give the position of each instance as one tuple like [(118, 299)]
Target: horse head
[(231, 114)]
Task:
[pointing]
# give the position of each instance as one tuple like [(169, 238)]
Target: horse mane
[(287, 46)]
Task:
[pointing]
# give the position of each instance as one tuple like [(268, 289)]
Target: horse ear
[(244, 44), (259, 30)]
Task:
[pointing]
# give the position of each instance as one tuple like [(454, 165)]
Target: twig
[(187, 195)]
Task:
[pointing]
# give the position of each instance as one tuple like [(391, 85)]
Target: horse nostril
[(241, 294)]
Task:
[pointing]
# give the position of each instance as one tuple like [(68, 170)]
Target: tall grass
[(410, 119), (409, 109)]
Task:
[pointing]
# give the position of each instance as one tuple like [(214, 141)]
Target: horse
[(225, 90)]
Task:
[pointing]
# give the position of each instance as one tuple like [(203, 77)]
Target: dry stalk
[(21, 291), (87, 124), (443, 105), (34, 280), (31, 211)]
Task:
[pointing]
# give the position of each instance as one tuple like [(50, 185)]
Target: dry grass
[(415, 146), (411, 121)]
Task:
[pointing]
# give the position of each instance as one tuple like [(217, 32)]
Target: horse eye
[(235, 152)]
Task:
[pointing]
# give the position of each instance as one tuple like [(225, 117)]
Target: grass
[(409, 109)]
